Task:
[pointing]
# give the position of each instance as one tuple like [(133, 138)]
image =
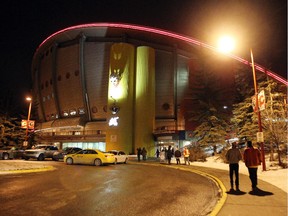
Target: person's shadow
[(235, 192), (259, 192)]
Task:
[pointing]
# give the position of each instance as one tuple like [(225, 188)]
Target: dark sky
[(257, 24)]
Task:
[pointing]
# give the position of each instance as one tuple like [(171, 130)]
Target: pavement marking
[(216, 180)]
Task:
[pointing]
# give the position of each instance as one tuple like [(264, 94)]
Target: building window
[(94, 109), (165, 106), (76, 72), (72, 112), (65, 113), (67, 75), (105, 108)]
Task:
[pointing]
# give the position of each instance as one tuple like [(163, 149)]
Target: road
[(122, 189)]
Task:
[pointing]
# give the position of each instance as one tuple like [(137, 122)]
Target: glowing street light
[(225, 45), (28, 118)]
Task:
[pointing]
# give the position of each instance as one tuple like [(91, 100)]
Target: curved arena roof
[(106, 29)]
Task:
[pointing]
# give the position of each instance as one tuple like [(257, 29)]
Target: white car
[(120, 156)]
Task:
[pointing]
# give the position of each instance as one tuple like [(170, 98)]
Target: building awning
[(62, 123)]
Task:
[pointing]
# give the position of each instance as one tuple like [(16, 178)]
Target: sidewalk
[(270, 200)]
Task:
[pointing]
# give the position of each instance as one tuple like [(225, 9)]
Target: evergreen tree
[(207, 97)]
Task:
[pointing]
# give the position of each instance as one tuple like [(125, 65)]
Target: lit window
[(73, 112), (65, 113)]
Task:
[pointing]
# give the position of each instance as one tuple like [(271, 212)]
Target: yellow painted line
[(48, 168), (216, 180)]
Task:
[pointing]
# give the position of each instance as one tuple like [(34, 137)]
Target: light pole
[(258, 111), (28, 117), (226, 44)]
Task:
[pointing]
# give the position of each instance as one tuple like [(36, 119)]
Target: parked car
[(90, 156), (120, 156), (40, 152), (11, 152), (59, 155), (208, 151)]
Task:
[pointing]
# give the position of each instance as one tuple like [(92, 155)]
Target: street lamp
[(258, 111), (225, 45), (28, 118)]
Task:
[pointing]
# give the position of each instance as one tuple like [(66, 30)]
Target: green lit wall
[(145, 99), (122, 58)]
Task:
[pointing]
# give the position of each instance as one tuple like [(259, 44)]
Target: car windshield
[(40, 147)]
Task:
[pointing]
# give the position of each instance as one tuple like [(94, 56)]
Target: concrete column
[(121, 96), (144, 119)]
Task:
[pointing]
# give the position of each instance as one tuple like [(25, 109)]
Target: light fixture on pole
[(28, 117), (258, 111)]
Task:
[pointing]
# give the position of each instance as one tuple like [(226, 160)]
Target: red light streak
[(168, 34)]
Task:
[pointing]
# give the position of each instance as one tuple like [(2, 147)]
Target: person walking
[(233, 156), (252, 159), (144, 154), (157, 153), (186, 154), (139, 152), (169, 155), (177, 155)]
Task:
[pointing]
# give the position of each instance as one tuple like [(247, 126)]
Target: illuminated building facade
[(115, 86)]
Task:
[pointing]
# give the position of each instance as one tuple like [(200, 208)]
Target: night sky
[(257, 24)]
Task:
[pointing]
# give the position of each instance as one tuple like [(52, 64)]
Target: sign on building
[(31, 124)]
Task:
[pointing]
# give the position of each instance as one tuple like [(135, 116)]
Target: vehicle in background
[(59, 155), (11, 152), (208, 151), (40, 152), (120, 156), (91, 157)]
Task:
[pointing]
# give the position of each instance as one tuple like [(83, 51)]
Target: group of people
[(251, 158), (142, 152), (169, 153)]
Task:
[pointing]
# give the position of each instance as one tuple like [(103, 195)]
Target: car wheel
[(97, 162), (69, 161), (115, 161), (5, 156), (41, 157)]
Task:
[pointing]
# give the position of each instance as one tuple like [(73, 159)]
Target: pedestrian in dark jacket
[(144, 153), (252, 159), (177, 155), (169, 154), (139, 152)]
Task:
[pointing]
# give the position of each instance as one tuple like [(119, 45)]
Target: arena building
[(118, 86)]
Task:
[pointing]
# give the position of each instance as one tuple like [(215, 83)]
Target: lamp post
[(226, 44), (28, 117), (258, 111)]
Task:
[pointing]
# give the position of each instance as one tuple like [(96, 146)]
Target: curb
[(48, 168), (216, 180)]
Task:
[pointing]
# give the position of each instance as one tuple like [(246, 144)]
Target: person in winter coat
[(139, 152), (186, 154), (233, 156), (252, 159), (169, 155), (177, 155), (144, 154)]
